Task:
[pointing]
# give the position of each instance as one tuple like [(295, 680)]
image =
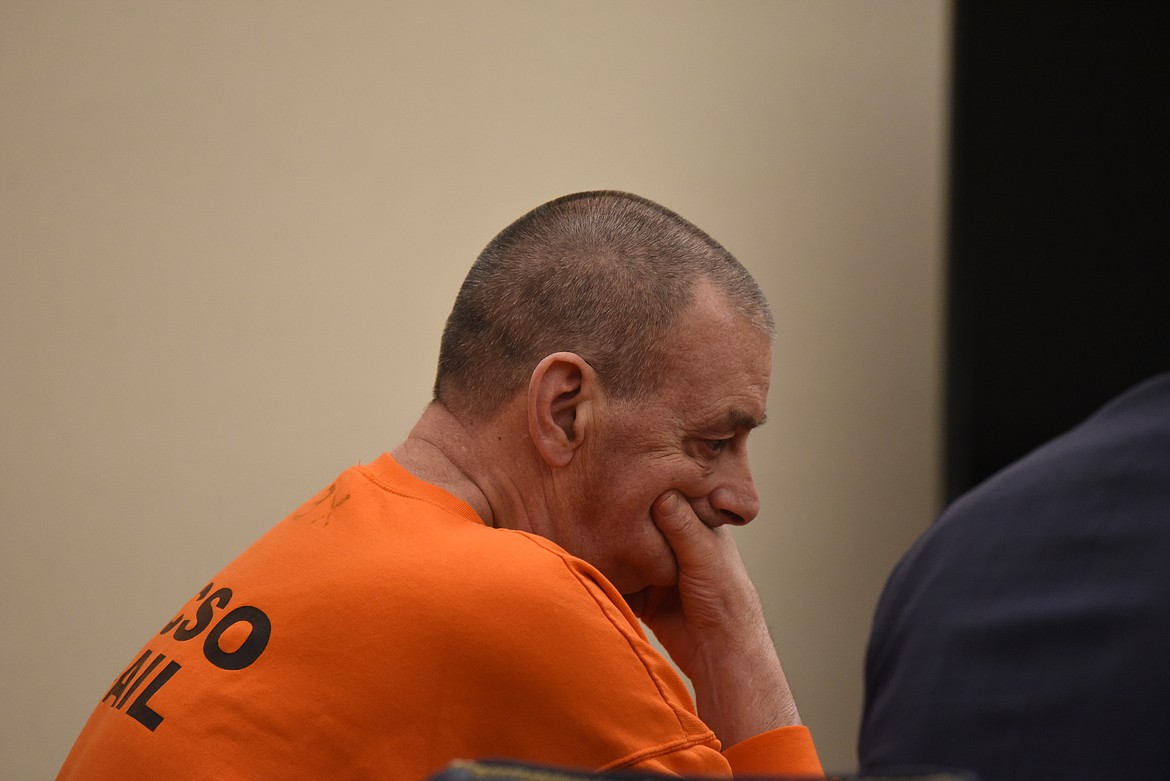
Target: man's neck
[(458, 457)]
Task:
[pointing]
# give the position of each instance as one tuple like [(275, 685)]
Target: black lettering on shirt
[(119, 688), (203, 615), (140, 711), (250, 650), (138, 681), (175, 621), (129, 682), (182, 629)]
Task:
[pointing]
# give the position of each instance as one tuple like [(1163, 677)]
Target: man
[(1025, 634), (474, 593)]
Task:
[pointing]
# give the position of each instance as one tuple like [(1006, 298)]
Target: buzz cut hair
[(602, 274)]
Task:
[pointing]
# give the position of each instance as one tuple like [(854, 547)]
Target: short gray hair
[(601, 274)]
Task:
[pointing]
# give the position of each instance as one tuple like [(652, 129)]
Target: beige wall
[(230, 233)]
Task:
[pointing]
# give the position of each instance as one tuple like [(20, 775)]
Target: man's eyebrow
[(737, 420)]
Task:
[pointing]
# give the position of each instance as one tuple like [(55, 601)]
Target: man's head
[(604, 275), (605, 352)]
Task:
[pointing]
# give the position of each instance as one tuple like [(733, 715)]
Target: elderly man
[(475, 592)]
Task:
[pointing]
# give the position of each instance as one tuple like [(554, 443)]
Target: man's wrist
[(741, 690)]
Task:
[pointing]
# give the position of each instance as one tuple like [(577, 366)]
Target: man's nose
[(735, 498)]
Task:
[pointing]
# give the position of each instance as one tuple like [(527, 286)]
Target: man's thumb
[(673, 515)]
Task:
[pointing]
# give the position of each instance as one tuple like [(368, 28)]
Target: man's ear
[(561, 390)]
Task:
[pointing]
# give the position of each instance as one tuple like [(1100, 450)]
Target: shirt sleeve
[(787, 750)]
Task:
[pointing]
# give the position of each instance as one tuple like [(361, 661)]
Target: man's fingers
[(675, 518), (693, 542)]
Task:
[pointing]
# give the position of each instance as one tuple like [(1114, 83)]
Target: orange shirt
[(381, 631)]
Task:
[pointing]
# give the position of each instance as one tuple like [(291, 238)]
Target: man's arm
[(712, 624)]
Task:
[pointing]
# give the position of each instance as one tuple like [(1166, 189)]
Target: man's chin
[(651, 590), (649, 599)]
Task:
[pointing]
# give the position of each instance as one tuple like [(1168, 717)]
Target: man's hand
[(712, 625)]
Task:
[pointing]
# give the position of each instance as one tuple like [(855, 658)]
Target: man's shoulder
[(413, 513), (523, 577), (375, 530)]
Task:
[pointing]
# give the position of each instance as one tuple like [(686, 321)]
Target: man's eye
[(716, 445)]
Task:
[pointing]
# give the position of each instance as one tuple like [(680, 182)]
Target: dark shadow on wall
[(1058, 248)]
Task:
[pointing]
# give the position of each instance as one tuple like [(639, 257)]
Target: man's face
[(690, 436)]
